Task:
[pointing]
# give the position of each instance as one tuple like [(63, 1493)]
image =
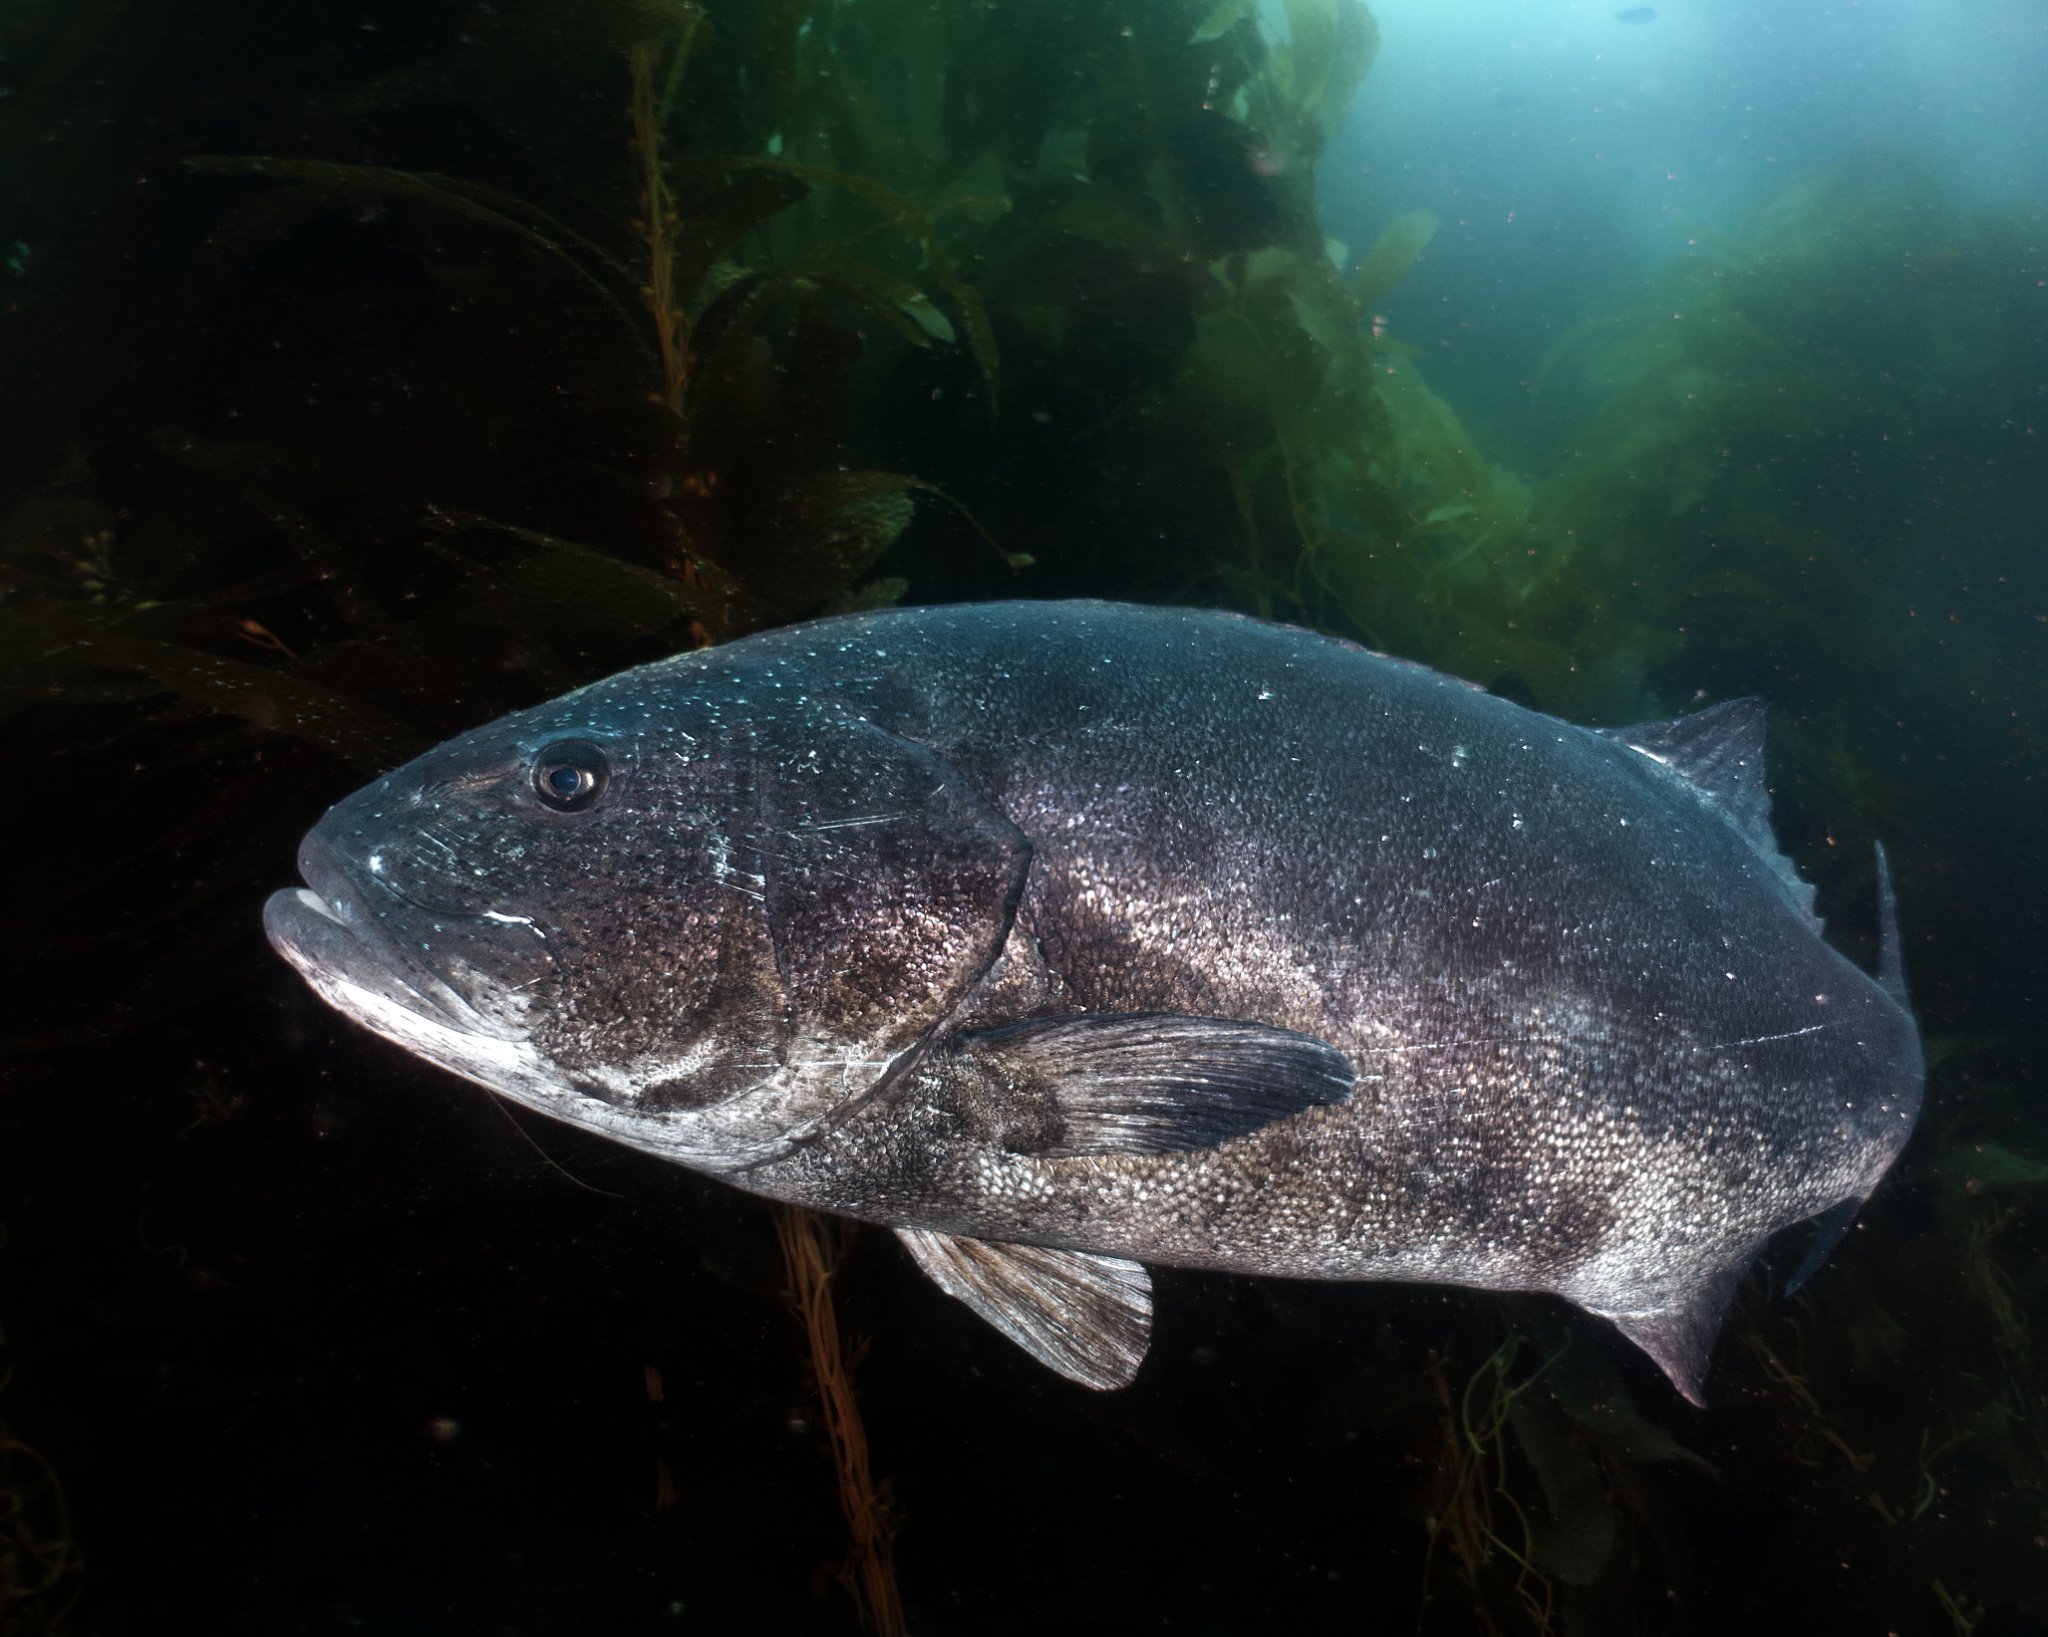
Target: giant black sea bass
[(1067, 937)]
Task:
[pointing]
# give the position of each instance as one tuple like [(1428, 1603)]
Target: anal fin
[(1681, 1336), (1088, 1317)]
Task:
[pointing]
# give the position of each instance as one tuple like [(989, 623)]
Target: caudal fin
[(1828, 1229), (1891, 960)]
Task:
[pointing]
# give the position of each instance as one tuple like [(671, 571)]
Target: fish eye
[(570, 774)]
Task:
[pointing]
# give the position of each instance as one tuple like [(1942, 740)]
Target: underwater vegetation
[(813, 1246), (448, 356), (40, 1570)]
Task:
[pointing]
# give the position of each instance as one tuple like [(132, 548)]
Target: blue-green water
[(361, 384)]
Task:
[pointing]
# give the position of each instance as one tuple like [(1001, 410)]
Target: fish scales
[(1143, 935)]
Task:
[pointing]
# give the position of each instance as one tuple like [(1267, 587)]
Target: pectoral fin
[(1138, 1082), (1088, 1317)]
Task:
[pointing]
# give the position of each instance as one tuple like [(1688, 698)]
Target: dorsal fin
[(1719, 752)]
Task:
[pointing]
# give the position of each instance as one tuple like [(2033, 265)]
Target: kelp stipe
[(812, 1248)]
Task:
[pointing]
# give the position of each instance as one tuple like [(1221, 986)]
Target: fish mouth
[(331, 933)]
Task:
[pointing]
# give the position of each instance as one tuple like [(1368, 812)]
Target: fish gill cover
[(375, 369)]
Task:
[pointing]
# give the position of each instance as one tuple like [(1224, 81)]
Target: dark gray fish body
[(1068, 937)]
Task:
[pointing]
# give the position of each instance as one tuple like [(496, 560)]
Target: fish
[(1637, 14), (1067, 939)]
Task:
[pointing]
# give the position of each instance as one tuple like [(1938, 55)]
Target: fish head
[(659, 912)]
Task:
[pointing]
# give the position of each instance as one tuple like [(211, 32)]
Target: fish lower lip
[(338, 953), (306, 925)]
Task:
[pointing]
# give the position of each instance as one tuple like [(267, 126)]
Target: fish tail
[(1891, 962)]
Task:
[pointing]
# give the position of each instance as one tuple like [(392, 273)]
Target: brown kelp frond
[(920, 225), (268, 699), (755, 515), (1397, 249), (40, 1565), (1309, 77), (244, 235), (659, 223), (594, 589), (1475, 1503), (812, 1248), (1542, 1490)]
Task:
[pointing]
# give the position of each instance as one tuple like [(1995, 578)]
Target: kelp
[(326, 184), (1397, 249), (1753, 463), (568, 432), (333, 575), (40, 1565), (1540, 1494), (752, 426), (812, 1248)]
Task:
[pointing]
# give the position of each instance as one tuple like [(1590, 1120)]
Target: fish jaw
[(330, 936), (474, 1027)]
